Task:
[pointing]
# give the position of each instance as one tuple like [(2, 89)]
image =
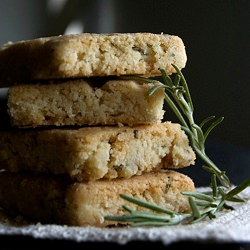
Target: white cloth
[(230, 226)]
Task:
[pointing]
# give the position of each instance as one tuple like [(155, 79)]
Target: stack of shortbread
[(80, 136)]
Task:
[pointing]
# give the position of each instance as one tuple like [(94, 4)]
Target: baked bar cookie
[(91, 153), (55, 199), (89, 54), (85, 102)]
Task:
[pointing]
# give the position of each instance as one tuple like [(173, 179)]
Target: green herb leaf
[(203, 205)]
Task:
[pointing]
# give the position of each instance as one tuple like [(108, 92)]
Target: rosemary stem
[(221, 176), (203, 205), (175, 110), (192, 123)]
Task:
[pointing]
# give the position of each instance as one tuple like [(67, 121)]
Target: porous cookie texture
[(95, 101), (91, 153), (90, 54)]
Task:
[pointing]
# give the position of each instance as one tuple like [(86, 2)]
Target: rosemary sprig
[(203, 205), (178, 98)]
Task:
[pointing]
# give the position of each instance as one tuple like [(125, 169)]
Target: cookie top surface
[(90, 54)]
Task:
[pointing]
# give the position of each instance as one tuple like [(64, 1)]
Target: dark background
[(216, 35)]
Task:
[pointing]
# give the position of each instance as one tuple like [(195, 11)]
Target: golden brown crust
[(84, 102), (92, 153), (53, 199), (87, 55)]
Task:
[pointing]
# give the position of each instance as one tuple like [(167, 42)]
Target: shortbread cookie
[(88, 54), (92, 153), (85, 102), (54, 199)]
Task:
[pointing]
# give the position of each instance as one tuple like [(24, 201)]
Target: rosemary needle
[(203, 205), (178, 98)]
